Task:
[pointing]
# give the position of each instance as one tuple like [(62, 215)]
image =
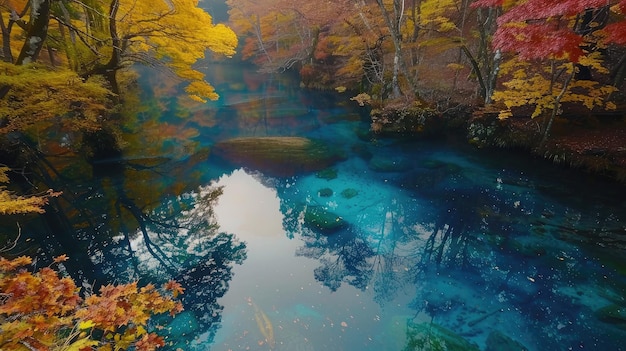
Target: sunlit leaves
[(177, 32), (435, 12), (10, 203), (564, 37), (37, 94), (532, 88), (44, 311)]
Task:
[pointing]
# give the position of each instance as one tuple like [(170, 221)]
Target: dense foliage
[(44, 311), (514, 53)]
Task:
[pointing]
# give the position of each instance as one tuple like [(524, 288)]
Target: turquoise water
[(436, 243)]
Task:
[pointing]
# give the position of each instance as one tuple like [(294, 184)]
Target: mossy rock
[(431, 336), (328, 174), (322, 220), (278, 156), (325, 192), (409, 120), (448, 167), (613, 314), (349, 193), (496, 341)]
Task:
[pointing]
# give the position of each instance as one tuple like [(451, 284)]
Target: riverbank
[(591, 144)]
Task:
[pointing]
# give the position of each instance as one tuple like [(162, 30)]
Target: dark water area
[(395, 244)]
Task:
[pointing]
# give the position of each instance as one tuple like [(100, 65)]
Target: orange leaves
[(123, 305), (174, 287), (45, 310), (149, 342), (42, 293), (9, 265), (34, 303), (60, 259)]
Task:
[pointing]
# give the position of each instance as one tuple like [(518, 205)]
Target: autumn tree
[(281, 34), (173, 33), (101, 37), (42, 310), (568, 38)]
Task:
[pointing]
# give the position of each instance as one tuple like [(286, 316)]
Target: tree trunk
[(394, 28), (109, 69), (7, 56), (557, 107), (37, 31)]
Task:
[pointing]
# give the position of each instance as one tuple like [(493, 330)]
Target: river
[(398, 244)]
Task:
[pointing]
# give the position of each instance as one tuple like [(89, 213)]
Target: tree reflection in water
[(124, 227), (343, 256), (182, 238)]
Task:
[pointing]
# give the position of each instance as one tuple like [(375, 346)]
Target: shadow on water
[(124, 223)]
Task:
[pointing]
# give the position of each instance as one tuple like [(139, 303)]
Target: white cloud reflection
[(247, 208)]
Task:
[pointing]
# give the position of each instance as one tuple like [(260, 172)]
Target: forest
[(547, 77), (520, 70)]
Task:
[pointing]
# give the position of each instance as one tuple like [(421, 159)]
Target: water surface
[(438, 243)]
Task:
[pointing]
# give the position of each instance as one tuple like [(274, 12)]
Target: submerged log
[(278, 156)]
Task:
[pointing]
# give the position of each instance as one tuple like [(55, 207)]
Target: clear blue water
[(479, 243)]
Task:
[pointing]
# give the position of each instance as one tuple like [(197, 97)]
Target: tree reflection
[(376, 258), (133, 223), (383, 251), (343, 257), (181, 239)]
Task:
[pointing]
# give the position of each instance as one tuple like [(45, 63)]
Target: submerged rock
[(613, 314), (349, 193), (389, 164), (496, 341), (328, 174), (431, 336), (325, 192), (318, 218), (278, 156)]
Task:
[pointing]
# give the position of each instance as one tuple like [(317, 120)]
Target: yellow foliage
[(178, 32), (455, 66), (84, 343), (38, 94), (532, 88), (175, 33), (433, 12), (593, 61), (14, 204)]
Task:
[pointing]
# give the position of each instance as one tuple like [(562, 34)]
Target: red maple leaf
[(616, 32), (539, 41), (541, 9)]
